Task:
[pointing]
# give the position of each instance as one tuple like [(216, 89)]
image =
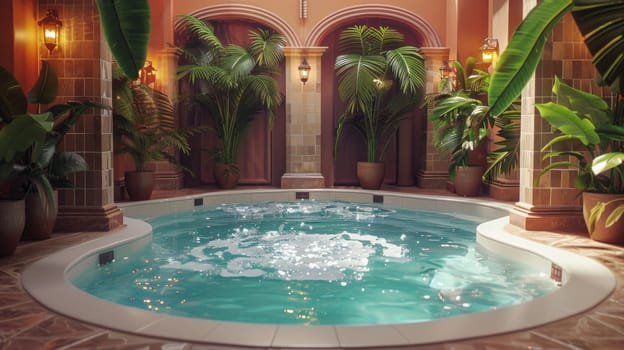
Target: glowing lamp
[(51, 26), (489, 50), (148, 74), (304, 71)]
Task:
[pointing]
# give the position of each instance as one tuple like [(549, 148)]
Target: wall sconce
[(489, 50), (51, 26), (147, 75), (304, 71), (448, 79)]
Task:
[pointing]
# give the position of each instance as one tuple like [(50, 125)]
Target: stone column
[(303, 120), (83, 63), (552, 203), (433, 168)]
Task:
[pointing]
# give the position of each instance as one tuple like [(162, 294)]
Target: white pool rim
[(585, 282)]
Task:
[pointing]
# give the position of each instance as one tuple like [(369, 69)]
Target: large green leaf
[(19, 135), (126, 25), (12, 99), (519, 60), (566, 121), (584, 104), (602, 24), (607, 161), (46, 87)]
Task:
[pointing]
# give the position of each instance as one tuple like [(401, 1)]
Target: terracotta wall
[(18, 30)]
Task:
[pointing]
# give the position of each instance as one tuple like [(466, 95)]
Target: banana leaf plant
[(233, 83), (380, 80), (587, 120), (39, 166), (600, 22)]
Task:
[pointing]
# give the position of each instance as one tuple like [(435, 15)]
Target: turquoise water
[(314, 262)]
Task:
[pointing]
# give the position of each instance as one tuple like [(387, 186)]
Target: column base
[(303, 180), (568, 219), (505, 190), (432, 179), (75, 219)]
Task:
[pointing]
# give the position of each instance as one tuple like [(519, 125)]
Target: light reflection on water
[(315, 262)]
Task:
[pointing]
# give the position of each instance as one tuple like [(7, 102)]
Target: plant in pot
[(600, 23), (461, 123), (145, 128), (380, 80), (17, 134), (592, 125), (41, 168), (234, 84)]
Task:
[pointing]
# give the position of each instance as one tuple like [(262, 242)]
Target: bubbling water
[(315, 262)]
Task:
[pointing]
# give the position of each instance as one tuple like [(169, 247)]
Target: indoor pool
[(315, 263), (307, 266)]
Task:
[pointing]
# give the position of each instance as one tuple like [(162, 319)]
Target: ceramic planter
[(139, 185), (40, 217), (12, 217), (612, 234), (226, 175), (467, 180), (371, 175)]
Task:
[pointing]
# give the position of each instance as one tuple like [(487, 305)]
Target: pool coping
[(585, 283)]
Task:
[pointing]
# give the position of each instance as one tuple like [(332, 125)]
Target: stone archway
[(398, 14), (410, 153), (242, 11), (262, 152)]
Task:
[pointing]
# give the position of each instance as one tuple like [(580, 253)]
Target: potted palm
[(234, 84), (145, 128), (380, 80), (461, 123)]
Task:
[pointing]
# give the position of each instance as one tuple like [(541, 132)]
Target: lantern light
[(51, 26), (489, 50), (304, 71), (148, 74)]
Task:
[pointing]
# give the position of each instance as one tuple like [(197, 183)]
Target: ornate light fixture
[(51, 26), (489, 50), (304, 71), (148, 74)]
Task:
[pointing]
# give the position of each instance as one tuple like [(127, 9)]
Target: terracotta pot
[(371, 175), (468, 180), (612, 234), (139, 184), (12, 217), (40, 217), (226, 175)]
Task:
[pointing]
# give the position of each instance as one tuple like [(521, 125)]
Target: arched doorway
[(404, 152), (261, 158)]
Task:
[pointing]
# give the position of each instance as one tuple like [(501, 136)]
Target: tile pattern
[(24, 324)]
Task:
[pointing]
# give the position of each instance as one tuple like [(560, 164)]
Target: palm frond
[(356, 76), (602, 23), (408, 66), (238, 61), (353, 40), (266, 46), (204, 31)]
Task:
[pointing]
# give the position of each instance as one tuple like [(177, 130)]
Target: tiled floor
[(24, 324)]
